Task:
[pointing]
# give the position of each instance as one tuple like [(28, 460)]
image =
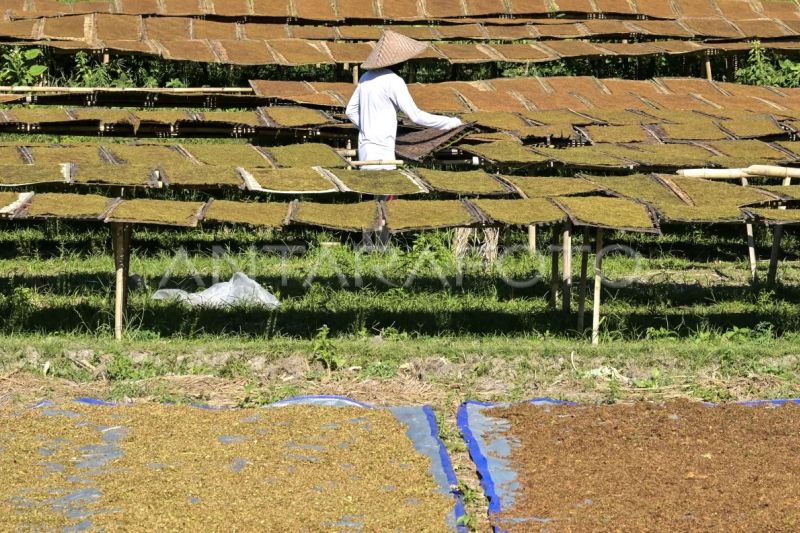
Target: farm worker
[(381, 93)]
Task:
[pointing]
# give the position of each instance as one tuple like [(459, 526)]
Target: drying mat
[(330, 460), (417, 145), (491, 451)]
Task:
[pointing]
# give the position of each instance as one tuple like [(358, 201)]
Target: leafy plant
[(324, 351), (763, 68), (22, 67)]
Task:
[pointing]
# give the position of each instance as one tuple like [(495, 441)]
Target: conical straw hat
[(393, 48)]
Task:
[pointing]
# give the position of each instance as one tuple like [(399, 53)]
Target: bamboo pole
[(709, 75), (584, 269), (121, 236), (532, 239), (355, 74), (598, 286), (554, 281), (381, 162), (772, 273), (566, 273), (751, 251), (751, 244)]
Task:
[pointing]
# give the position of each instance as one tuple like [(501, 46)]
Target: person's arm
[(404, 102), (353, 105)]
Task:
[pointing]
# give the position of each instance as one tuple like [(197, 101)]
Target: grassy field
[(410, 325)]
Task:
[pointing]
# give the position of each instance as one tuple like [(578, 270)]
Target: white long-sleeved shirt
[(373, 108)]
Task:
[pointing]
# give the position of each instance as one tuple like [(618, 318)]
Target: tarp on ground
[(490, 449), (77, 477)]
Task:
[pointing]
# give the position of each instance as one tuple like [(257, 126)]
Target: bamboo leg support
[(566, 275), (598, 286), (751, 251), (554, 281), (532, 239), (772, 273), (121, 235), (583, 282)]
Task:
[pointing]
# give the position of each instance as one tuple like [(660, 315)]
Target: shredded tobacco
[(153, 467), (676, 466)]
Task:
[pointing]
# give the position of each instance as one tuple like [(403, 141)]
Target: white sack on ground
[(240, 290)]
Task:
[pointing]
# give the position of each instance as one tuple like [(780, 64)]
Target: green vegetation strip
[(284, 469), (608, 212), (520, 212), (706, 213), (296, 116), (542, 187), (303, 155), (469, 182), (380, 182), (59, 205), (403, 215), (504, 152), (753, 127), (346, 217), (301, 179), (268, 214), (166, 212), (28, 174)]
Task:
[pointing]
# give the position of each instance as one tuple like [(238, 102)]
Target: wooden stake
[(566, 273), (772, 273), (709, 77), (582, 287), (532, 239), (121, 236), (355, 75), (554, 282), (751, 250), (751, 244), (598, 286)]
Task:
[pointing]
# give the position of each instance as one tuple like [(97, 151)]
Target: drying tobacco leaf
[(378, 182), (402, 215), (346, 217), (541, 187), (468, 182), (167, 212), (266, 214), (65, 205), (608, 212), (520, 212), (304, 155)]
